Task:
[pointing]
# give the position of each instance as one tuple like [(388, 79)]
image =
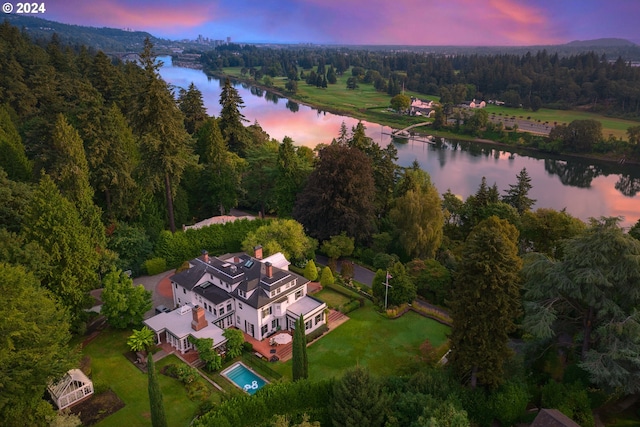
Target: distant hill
[(607, 42), (106, 39)]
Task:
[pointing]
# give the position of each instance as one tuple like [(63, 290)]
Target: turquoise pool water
[(244, 378)]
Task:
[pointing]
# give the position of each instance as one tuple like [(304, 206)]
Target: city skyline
[(371, 22)]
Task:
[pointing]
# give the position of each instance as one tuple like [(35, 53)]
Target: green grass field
[(368, 104), (332, 298), (110, 368), (385, 346)]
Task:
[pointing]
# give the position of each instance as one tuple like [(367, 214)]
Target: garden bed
[(98, 407)]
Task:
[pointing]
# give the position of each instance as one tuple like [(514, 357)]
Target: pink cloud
[(470, 22), (169, 17)]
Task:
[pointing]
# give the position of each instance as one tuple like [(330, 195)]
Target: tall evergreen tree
[(113, 157), (358, 400), (192, 106), (291, 176), (13, 158), (158, 417), (485, 303), (221, 170), (518, 194), (164, 143), (299, 361), (53, 222), (231, 119), (70, 171)]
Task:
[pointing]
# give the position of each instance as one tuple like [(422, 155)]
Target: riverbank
[(370, 105)]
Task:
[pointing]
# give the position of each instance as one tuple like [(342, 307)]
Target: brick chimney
[(198, 322), (236, 260), (268, 269), (257, 252), (205, 256)]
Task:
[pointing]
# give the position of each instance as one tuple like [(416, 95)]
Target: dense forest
[(532, 79), (101, 162)]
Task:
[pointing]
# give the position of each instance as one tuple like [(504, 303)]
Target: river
[(585, 188)]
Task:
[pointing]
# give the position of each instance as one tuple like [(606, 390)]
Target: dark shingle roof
[(249, 273), (211, 292), (553, 418)]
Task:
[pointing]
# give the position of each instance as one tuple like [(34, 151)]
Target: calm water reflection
[(585, 189)]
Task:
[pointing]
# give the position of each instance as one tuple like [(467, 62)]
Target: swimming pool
[(244, 378)]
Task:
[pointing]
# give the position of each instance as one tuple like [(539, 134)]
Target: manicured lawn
[(367, 339), (332, 298), (111, 369)]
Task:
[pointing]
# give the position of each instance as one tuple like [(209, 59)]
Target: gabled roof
[(212, 293), (60, 388), (249, 273), (188, 278), (553, 418)]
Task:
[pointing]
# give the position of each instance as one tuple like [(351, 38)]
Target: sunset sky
[(390, 22)]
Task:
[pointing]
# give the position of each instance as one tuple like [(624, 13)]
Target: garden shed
[(72, 388)]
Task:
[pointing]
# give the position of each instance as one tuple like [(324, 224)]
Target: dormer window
[(241, 293)]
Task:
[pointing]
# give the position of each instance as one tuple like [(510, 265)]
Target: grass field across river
[(368, 104)]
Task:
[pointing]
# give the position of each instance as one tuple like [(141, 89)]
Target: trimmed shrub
[(326, 279), (350, 306), (311, 271), (155, 266), (247, 346), (317, 333)]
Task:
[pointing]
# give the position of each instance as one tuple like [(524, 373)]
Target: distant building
[(421, 107), (474, 104), (221, 219)]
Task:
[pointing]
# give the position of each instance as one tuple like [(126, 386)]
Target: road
[(360, 274)]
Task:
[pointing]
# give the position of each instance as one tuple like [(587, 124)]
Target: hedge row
[(175, 248), (287, 398)]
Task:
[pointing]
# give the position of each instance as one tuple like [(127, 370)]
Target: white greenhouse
[(72, 388)]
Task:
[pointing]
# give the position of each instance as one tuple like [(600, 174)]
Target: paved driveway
[(160, 287)]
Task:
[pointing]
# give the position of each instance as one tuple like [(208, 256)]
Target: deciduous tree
[(124, 304), (338, 246), (338, 196), (417, 214), (282, 235), (401, 288), (235, 339)]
